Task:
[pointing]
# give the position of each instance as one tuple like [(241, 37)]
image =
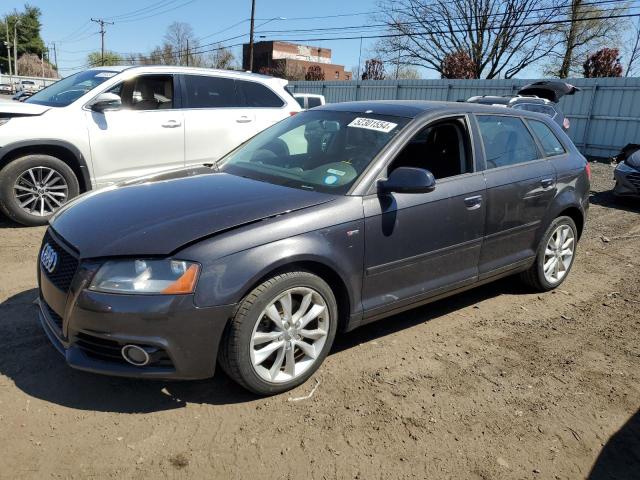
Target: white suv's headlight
[(170, 277), (4, 120)]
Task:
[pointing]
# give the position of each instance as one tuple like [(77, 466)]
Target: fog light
[(135, 355)]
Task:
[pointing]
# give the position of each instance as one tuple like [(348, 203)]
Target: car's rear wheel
[(281, 333), (555, 255), (34, 187)]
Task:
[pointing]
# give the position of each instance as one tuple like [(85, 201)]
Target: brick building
[(293, 59)]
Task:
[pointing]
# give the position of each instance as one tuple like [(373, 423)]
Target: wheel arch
[(568, 203), (322, 270), (576, 215), (60, 149)]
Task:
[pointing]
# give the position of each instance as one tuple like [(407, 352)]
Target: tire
[(63, 181), (238, 353), (535, 276)]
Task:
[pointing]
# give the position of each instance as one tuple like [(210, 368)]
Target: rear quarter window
[(549, 141), (314, 102), (258, 95)]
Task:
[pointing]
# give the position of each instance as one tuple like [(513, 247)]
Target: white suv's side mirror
[(106, 101)]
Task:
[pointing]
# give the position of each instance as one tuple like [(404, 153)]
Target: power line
[(497, 14), (137, 19), (435, 32), (143, 10)]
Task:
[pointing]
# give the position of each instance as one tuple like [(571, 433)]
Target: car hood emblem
[(48, 258)]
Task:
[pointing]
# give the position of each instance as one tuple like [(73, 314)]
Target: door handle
[(171, 124), (547, 183), (473, 203), (243, 119)]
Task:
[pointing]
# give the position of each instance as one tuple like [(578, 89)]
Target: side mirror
[(106, 101), (408, 180)]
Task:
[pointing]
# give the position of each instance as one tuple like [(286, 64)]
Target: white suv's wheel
[(281, 333), (34, 187)]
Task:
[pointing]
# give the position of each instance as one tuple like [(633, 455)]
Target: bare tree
[(634, 52), (373, 70), (282, 69), (585, 31), (179, 36), (314, 73), (408, 73), (502, 37), (32, 65), (221, 58)]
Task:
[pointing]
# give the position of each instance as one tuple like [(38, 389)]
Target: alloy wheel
[(558, 254), (289, 335), (40, 191)]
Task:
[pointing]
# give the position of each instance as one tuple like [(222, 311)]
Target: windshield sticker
[(340, 173), (106, 74), (330, 179), (373, 124)]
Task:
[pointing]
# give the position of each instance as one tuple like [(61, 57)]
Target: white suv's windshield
[(316, 150), (68, 90)]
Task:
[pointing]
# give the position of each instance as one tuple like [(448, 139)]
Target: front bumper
[(90, 328), (627, 181)]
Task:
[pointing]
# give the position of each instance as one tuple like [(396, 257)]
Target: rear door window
[(506, 141), (210, 92), (257, 95), (550, 143)]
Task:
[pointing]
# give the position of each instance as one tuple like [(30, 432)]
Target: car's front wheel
[(34, 187), (281, 333), (555, 255)]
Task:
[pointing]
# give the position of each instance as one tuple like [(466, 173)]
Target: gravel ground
[(495, 383)]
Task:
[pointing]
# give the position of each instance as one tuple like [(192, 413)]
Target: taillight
[(291, 114), (588, 170), (566, 123)]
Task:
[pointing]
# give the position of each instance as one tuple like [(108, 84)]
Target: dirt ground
[(495, 383)]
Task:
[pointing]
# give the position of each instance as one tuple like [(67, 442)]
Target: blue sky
[(65, 21)]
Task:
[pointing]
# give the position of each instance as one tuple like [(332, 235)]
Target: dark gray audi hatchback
[(327, 221)]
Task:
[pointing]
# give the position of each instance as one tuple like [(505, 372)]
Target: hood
[(552, 90), (164, 213), (17, 109)]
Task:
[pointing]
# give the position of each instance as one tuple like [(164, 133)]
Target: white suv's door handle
[(171, 124), (243, 119)]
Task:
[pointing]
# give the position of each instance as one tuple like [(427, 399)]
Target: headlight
[(4, 120), (146, 276)]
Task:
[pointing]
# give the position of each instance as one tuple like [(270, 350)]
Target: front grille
[(634, 179), (65, 267), (110, 351), (57, 319)]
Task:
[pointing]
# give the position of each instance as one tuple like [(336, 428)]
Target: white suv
[(109, 124)]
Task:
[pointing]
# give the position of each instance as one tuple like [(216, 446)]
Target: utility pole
[(187, 52), (8, 44), (102, 23), (55, 55), (15, 45), (253, 14)]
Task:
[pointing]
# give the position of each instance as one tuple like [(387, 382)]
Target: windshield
[(68, 90), (316, 150)]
